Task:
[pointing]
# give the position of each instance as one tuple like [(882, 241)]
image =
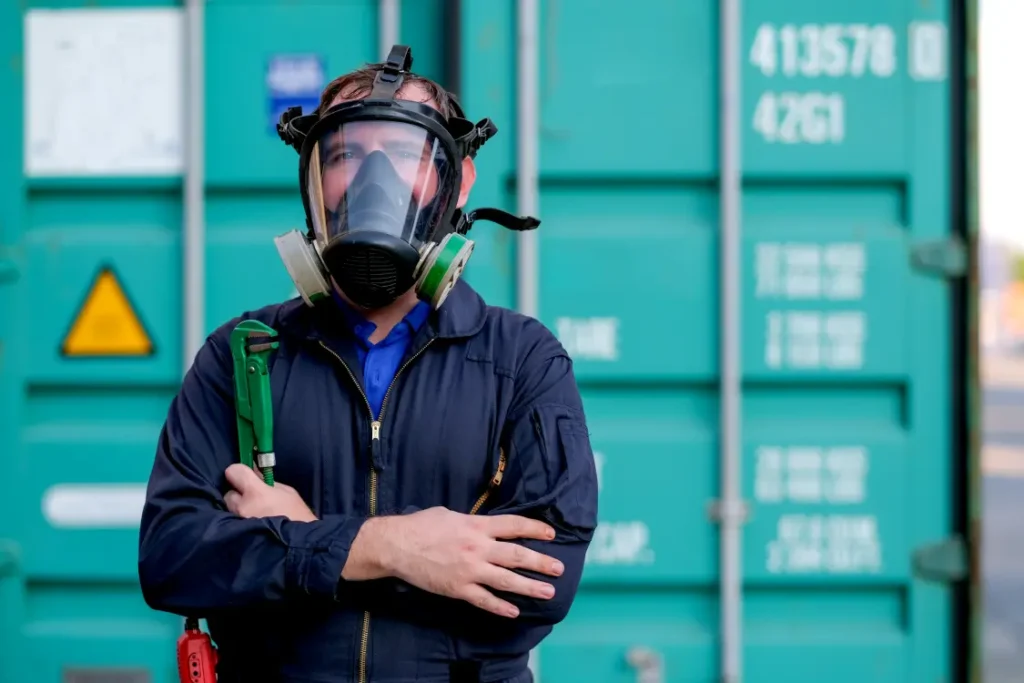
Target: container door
[(91, 218), (845, 344)]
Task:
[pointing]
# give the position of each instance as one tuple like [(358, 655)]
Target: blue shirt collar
[(363, 328)]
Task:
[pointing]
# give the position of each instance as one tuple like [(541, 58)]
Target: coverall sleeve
[(195, 556), (550, 476)]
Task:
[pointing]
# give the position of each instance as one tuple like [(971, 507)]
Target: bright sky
[(1001, 129)]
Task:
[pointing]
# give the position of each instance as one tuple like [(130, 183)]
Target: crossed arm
[(200, 552)]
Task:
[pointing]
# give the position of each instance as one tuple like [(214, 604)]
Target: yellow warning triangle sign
[(106, 323)]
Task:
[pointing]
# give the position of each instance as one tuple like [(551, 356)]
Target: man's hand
[(455, 555), (253, 498)]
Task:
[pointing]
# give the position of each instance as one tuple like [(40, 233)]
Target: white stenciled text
[(797, 271), (825, 50), (599, 467), (589, 338), (928, 55), (808, 340), (620, 543), (791, 118), (831, 544), (835, 475)]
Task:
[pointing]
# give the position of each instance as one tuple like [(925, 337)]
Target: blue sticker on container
[(293, 81)]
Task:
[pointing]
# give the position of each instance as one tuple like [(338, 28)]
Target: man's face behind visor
[(407, 148)]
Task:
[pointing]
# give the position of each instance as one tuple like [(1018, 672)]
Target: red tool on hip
[(197, 657)]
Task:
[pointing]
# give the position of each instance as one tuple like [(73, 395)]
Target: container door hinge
[(720, 512), (943, 562), (9, 268), (10, 558), (947, 258)]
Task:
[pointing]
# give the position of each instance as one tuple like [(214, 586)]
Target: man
[(436, 487)]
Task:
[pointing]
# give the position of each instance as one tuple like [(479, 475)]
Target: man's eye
[(339, 155)]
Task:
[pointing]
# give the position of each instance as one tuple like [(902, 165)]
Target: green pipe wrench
[(251, 345)]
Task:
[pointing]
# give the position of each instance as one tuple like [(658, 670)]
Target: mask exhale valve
[(380, 180)]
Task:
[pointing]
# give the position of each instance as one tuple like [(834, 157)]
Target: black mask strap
[(464, 221), (389, 79), (293, 127)]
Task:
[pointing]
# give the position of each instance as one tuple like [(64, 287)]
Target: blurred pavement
[(1003, 510)]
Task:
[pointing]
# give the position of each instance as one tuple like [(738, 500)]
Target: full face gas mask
[(380, 180)]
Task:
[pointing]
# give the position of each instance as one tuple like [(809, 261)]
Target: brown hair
[(359, 83)]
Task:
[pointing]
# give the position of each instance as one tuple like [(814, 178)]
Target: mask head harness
[(380, 179)]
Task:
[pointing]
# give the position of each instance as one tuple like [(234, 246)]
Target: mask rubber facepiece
[(380, 180)]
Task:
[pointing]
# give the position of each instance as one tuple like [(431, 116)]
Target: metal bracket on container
[(648, 664), (946, 258), (720, 511), (10, 270), (943, 562), (10, 558)]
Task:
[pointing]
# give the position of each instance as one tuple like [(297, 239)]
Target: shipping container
[(779, 385)]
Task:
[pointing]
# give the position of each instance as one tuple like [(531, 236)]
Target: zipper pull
[(499, 474), (375, 454)]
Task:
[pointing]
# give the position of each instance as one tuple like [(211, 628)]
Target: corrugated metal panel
[(847, 453), (846, 350)]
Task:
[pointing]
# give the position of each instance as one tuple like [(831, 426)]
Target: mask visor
[(386, 176)]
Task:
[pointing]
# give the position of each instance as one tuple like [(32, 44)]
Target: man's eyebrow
[(402, 141), (337, 141)]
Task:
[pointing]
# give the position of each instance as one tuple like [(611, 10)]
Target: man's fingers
[(514, 526), (242, 478), (479, 596), (515, 556), (510, 582), (233, 500)]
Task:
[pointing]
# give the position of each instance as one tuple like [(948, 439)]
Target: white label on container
[(801, 118), (94, 506), (829, 544), (104, 92), (928, 54), (807, 474), (811, 340), (824, 50), (589, 338), (620, 543), (809, 271)]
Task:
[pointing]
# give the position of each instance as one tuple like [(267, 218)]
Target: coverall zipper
[(374, 450), (495, 482)]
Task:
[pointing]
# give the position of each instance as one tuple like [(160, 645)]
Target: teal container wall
[(846, 353), (845, 348)]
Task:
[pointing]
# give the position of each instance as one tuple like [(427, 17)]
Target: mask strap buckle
[(475, 138), (388, 80), (293, 127)]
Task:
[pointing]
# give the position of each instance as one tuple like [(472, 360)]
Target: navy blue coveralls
[(474, 380)]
